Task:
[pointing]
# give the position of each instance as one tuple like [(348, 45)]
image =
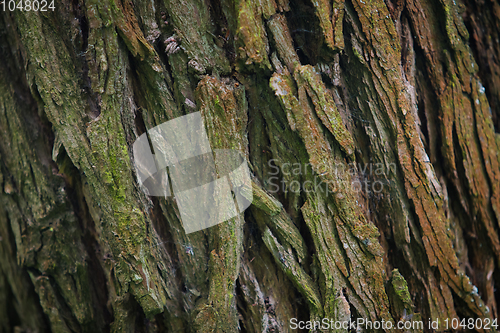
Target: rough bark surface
[(371, 129)]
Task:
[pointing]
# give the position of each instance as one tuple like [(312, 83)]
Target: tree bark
[(370, 129)]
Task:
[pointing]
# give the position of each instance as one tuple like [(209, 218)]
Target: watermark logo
[(209, 186), (368, 178)]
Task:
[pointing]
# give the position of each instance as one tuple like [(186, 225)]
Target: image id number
[(27, 5)]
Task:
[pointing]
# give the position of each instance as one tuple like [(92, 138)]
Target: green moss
[(325, 106), (294, 271), (198, 38), (401, 288), (252, 34), (330, 15)]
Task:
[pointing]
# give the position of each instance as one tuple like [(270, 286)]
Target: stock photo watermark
[(367, 178), (211, 186)]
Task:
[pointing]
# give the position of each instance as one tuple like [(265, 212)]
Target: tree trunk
[(370, 130)]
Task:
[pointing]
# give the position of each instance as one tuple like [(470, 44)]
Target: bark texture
[(370, 129)]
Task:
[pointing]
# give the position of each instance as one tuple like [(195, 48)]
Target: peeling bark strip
[(334, 87)]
